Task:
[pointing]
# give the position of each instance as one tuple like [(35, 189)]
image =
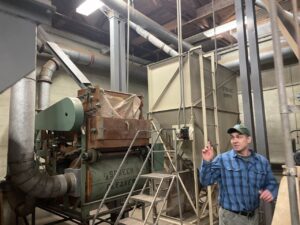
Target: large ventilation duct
[(145, 22), (22, 170), (95, 60), (265, 58)]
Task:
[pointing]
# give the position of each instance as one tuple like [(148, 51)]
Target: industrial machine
[(199, 98), (88, 136)]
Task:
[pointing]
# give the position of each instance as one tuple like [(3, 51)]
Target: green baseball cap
[(240, 128)]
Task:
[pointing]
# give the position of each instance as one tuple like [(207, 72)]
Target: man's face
[(239, 141)]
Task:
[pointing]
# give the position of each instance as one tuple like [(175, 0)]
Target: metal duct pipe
[(95, 60), (22, 170), (152, 39), (44, 82), (265, 58), (145, 22), (286, 13)]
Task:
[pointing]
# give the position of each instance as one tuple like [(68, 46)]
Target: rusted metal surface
[(112, 132), (109, 127)]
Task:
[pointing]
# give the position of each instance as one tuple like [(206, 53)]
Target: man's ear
[(249, 139)]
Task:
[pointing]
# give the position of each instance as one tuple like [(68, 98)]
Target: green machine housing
[(89, 136)]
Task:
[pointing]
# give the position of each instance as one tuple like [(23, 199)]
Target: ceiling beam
[(201, 13), (205, 11)]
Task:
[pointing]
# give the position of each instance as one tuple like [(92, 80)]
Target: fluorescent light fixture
[(89, 6), (220, 29)]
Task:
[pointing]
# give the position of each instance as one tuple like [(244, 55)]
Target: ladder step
[(167, 150), (131, 221), (145, 198), (157, 175)]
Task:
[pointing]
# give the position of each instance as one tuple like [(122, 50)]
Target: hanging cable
[(129, 3), (179, 33), (215, 38)]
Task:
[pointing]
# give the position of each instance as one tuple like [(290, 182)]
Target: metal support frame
[(284, 112), (244, 68), (258, 101), (63, 59), (117, 53), (259, 132), (256, 83), (205, 132)]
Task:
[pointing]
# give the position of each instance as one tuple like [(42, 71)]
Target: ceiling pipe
[(44, 81), (145, 22), (284, 12), (265, 58), (22, 170), (152, 39), (94, 59)]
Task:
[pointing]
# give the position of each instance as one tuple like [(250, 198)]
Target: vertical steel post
[(118, 81), (205, 132), (258, 100), (256, 83), (122, 57), (181, 75), (244, 68), (114, 52), (278, 62)]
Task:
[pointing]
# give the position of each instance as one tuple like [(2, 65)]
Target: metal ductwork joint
[(22, 169), (44, 81)]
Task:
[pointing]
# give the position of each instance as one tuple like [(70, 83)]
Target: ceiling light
[(220, 29), (89, 6)]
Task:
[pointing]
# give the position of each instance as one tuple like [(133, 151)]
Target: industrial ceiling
[(198, 16)]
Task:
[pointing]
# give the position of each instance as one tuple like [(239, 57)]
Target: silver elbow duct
[(145, 22), (95, 60), (44, 81), (22, 169)]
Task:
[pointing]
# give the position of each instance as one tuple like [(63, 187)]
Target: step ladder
[(143, 197), (150, 199), (153, 200)]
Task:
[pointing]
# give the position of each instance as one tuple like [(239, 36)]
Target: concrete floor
[(43, 217), (7, 216)]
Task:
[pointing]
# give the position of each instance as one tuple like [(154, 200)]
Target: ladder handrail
[(175, 169), (117, 174), (152, 203), (164, 201), (137, 178)]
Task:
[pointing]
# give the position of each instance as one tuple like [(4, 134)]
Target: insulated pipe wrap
[(22, 169)]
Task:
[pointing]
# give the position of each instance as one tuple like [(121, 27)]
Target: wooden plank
[(282, 209)]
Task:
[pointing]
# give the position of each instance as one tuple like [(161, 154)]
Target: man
[(244, 177)]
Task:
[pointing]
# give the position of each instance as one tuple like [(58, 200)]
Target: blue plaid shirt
[(240, 180)]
